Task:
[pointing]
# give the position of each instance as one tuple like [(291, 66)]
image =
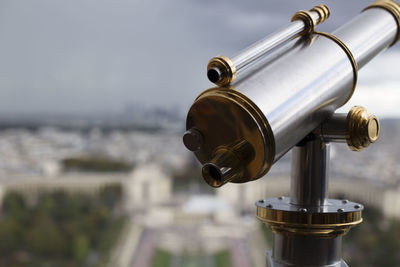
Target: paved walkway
[(128, 243), (240, 254), (144, 253)]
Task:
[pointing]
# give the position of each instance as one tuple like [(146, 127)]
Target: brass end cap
[(362, 128), (323, 12), (308, 19), (221, 71), (393, 8)]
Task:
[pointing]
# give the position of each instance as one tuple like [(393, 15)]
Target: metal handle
[(358, 128)]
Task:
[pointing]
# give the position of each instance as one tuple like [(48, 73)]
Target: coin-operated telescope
[(280, 94)]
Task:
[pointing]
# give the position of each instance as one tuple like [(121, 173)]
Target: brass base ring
[(333, 219)]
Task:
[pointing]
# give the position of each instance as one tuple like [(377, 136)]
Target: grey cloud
[(88, 56)]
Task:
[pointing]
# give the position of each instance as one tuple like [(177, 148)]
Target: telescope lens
[(214, 75), (217, 176), (221, 169), (212, 173)]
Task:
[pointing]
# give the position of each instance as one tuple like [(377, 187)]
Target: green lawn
[(60, 229), (163, 258), (223, 259)]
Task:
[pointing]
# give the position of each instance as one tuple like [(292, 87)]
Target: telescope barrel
[(255, 51), (303, 22), (276, 104), (306, 85), (259, 49), (374, 30)]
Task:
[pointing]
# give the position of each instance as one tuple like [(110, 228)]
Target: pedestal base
[(272, 263), (305, 236)]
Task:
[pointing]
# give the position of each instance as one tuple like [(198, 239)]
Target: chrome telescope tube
[(276, 104), (258, 49), (222, 70)]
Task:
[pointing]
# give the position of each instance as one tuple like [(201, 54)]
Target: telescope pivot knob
[(358, 128), (363, 128), (193, 139)]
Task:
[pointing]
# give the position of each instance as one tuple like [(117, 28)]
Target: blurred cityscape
[(127, 193), (93, 172)]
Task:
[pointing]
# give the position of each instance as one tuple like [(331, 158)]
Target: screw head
[(340, 210), (303, 210), (357, 206), (345, 201)]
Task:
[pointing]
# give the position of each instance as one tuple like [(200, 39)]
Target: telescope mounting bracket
[(308, 226)]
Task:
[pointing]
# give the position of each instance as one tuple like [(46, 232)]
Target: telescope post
[(310, 172), (297, 245)]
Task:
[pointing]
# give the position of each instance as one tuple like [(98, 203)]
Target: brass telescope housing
[(223, 129)]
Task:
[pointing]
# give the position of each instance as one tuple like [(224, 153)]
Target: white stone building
[(147, 185)]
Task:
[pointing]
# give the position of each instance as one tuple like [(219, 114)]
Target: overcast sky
[(97, 56)]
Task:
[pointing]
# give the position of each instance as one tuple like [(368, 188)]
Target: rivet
[(269, 206), (261, 201), (303, 210), (340, 210), (357, 206), (281, 198), (345, 201)]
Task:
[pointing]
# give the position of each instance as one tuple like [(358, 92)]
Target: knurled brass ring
[(393, 8), (349, 55), (227, 68), (308, 19), (323, 12)]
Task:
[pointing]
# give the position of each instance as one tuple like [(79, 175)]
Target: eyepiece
[(223, 168), (221, 71), (211, 173), (214, 75)]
